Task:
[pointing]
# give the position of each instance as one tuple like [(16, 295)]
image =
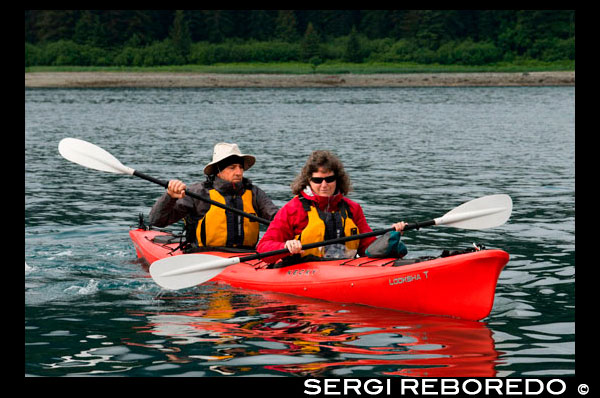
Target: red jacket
[(291, 219)]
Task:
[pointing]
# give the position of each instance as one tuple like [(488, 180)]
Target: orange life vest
[(328, 225), (221, 228)]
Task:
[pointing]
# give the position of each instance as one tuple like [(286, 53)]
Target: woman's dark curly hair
[(329, 162)]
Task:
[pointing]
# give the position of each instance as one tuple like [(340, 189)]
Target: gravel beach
[(167, 79)]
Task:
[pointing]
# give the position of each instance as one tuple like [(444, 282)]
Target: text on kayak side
[(408, 278)]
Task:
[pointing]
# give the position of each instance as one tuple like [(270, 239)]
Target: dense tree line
[(155, 37)]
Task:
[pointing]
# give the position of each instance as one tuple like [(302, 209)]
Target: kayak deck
[(461, 285)]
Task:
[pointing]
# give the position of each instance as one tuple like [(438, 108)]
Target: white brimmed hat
[(224, 150)]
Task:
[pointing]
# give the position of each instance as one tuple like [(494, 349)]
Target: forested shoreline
[(151, 38)]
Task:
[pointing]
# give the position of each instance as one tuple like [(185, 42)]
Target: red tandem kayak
[(461, 285)]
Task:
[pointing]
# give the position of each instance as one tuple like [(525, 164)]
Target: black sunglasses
[(319, 180)]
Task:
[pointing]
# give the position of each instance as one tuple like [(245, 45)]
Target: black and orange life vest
[(327, 225), (219, 227)]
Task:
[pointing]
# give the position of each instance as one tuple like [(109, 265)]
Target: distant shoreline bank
[(181, 79)]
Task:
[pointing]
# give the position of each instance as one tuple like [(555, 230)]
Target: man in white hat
[(212, 226)]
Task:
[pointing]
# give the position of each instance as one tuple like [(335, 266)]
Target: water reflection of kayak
[(460, 285), (308, 337)]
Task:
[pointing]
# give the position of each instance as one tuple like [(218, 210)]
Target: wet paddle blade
[(187, 270), (481, 213), (91, 156)]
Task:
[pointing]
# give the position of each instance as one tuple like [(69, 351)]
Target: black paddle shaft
[(194, 195), (343, 239), (408, 227), (257, 256), (418, 225)]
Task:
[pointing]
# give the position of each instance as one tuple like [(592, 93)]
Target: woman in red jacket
[(321, 211)]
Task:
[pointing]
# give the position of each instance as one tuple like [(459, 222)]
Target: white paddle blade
[(187, 270), (89, 155), (485, 212)]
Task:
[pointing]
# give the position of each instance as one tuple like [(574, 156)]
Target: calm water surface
[(412, 153)]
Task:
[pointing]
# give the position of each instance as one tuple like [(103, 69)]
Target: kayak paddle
[(182, 271), (92, 156)]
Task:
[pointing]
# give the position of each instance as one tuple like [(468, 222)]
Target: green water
[(412, 154)]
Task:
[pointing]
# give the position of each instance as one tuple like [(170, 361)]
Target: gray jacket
[(167, 211)]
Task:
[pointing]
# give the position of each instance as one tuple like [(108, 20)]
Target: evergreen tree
[(286, 26), (260, 26), (31, 31), (311, 43), (180, 34), (197, 24), (337, 23), (376, 23), (120, 25), (89, 30), (218, 24), (353, 53), (408, 25), (54, 25), (431, 31)]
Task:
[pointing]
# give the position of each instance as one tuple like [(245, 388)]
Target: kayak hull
[(461, 286)]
